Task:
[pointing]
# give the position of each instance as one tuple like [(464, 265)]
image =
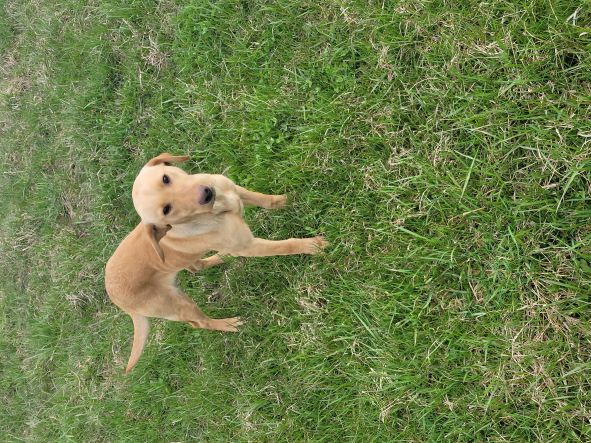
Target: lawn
[(442, 147)]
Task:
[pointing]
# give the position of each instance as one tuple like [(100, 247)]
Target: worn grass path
[(442, 147)]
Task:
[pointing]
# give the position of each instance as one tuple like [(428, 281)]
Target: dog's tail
[(141, 327)]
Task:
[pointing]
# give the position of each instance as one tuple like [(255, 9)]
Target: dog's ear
[(155, 234), (167, 158)]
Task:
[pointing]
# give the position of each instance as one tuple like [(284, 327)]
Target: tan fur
[(140, 275)]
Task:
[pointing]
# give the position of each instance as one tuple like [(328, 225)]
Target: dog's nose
[(207, 195)]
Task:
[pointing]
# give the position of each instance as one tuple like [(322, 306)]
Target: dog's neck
[(194, 228)]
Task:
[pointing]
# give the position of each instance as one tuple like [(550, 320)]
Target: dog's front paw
[(314, 245), (226, 324), (278, 201)]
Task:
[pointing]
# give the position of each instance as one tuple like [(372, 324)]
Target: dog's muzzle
[(207, 195)]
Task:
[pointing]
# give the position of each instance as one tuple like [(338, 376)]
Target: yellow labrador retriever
[(184, 217)]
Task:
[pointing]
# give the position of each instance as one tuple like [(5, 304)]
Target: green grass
[(443, 148)]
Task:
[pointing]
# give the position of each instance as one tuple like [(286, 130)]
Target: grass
[(442, 147)]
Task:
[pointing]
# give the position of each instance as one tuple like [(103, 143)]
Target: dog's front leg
[(263, 200), (259, 247)]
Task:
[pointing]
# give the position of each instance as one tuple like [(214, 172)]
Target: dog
[(183, 217)]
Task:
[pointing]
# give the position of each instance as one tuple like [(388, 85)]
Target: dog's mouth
[(208, 196)]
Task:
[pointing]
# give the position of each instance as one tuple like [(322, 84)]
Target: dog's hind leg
[(187, 311), (170, 303), (205, 263)]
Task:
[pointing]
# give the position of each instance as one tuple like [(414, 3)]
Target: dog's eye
[(166, 209), (165, 179)]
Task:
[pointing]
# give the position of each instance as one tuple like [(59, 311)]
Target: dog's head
[(164, 196)]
